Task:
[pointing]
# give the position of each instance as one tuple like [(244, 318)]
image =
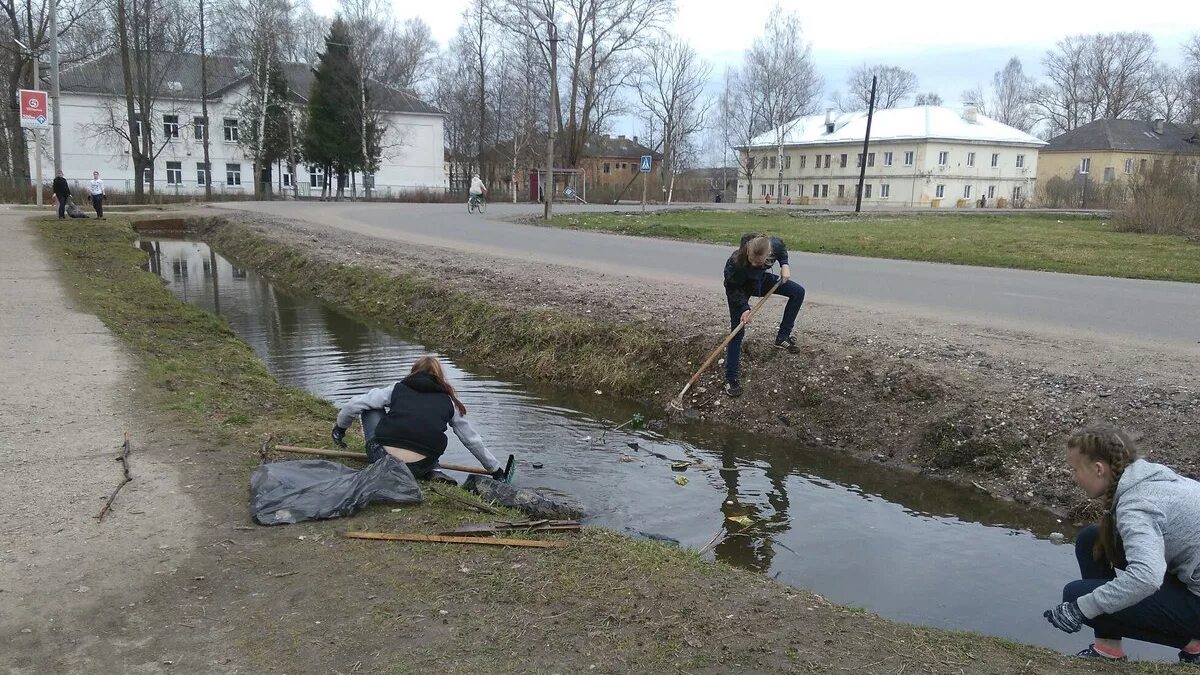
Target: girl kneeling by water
[(1141, 565), (408, 420)]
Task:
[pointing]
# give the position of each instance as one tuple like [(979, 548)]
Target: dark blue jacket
[(742, 282)]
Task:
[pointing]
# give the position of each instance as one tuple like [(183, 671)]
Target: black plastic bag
[(315, 489)]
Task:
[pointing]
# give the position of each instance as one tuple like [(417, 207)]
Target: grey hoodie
[(1158, 517)]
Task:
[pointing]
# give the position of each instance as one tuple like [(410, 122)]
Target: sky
[(951, 46)]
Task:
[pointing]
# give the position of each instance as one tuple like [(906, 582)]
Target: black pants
[(98, 204), (1169, 617), (62, 205)]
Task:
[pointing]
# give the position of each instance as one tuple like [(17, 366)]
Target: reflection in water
[(906, 547)]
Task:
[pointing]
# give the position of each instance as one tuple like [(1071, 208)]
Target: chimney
[(621, 137), (1158, 126), (829, 120), (971, 113)]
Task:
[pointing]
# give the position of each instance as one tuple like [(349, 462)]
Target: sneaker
[(437, 476), (1193, 659), (733, 389), (1091, 653), (787, 343)]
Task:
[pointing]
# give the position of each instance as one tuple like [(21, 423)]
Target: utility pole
[(204, 108), (37, 133), (548, 190), (55, 124), (862, 171)]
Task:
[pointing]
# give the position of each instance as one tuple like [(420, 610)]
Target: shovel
[(677, 402)]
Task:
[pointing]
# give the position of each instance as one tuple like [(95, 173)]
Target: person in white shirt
[(96, 190), (477, 188)]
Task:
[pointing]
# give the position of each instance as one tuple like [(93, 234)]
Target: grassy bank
[(604, 601), (1032, 241)]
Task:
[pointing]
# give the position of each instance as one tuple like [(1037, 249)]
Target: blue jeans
[(375, 452), (1169, 617), (793, 291)]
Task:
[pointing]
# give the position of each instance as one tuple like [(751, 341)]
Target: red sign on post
[(35, 112)]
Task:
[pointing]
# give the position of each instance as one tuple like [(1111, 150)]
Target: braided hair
[(1113, 447)]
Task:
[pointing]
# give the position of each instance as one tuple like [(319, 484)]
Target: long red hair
[(432, 367)]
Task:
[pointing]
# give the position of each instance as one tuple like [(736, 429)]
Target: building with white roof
[(919, 156)]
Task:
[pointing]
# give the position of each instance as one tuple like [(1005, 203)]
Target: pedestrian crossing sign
[(646, 159)]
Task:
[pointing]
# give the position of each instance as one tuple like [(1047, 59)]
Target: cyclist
[(477, 189)]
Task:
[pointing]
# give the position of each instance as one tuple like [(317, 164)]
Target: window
[(137, 129), (231, 130), (174, 173), (198, 128), (787, 161), (885, 191), (170, 126), (943, 158), (1142, 165), (858, 160), (1129, 166), (991, 192), (1020, 161), (763, 187), (867, 195), (816, 188), (316, 176), (908, 158), (606, 167), (827, 164), (799, 189), (966, 192), (803, 160), (995, 159), (941, 191), (147, 175), (1016, 194), (841, 189), (633, 168), (1110, 174), (233, 174), (887, 159), (201, 174), (825, 190), (970, 159), (870, 162), (818, 164), (857, 190), (772, 161), (286, 177), (843, 162), (1085, 165), (785, 189)]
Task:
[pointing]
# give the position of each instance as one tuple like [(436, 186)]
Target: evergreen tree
[(333, 130)]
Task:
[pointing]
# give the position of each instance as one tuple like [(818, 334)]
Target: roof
[(601, 145), (102, 76), (900, 124), (1128, 136)]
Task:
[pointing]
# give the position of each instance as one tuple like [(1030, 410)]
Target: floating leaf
[(744, 521), (681, 480)]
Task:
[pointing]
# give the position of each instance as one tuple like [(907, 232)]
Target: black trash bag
[(74, 211), (538, 502), (315, 489)]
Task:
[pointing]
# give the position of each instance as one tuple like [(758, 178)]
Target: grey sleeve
[(470, 438), (376, 399), (1139, 525)]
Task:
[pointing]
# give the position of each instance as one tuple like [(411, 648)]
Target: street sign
[(34, 109), (646, 159)]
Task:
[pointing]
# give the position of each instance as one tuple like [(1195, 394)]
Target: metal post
[(644, 173), (37, 135), (56, 125), (548, 190), (862, 173)]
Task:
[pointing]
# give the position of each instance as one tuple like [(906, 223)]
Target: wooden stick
[(124, 458), (677, 402), (465, 469), (442, 539), (322, 453)]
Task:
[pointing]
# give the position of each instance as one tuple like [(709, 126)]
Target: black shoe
[(733, 389), (787, 343), (1091, 653), (1185, 657), (436, 476)]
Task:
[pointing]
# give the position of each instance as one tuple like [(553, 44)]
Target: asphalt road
[(1064, 305)]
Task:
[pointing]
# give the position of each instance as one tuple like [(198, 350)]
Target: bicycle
[(475, 203)]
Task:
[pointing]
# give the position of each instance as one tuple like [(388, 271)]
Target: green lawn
[(1053, 242)]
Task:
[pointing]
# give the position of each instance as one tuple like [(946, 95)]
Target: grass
[(1020, 240), (604, 601)]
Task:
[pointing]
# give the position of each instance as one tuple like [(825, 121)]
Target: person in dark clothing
[(747, 275), (408, 420), (62, 192)]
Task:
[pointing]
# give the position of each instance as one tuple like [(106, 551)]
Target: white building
[(93, 100), (919, 156)]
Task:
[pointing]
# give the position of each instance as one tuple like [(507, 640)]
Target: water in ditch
[(906, 547)]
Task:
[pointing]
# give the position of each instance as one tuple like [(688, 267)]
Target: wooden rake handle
[(728, 338)]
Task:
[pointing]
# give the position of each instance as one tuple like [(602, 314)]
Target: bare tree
[(929, 98), (1061, 99), (671, 90), (1091, 77), (894, 85), (1191, 50), (1168, 95), (521, 111), (780, 79), (736, 118), (1012, 97)]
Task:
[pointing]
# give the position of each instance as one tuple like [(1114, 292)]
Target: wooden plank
[(442, 539)]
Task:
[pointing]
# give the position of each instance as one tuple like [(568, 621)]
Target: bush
[(1163, 200)]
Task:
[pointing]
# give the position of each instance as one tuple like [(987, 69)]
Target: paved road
[(1155, 312)]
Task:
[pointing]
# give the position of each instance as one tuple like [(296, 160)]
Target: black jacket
[(742, 282), (417, 416), (60, 187)]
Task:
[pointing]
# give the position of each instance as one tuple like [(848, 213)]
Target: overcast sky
[(950, 45)]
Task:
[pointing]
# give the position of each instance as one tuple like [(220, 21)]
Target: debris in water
[(1057, 538), (744, 521), (634, 445), (599, 393), (681, 480), (537, 465), (680, 466)]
